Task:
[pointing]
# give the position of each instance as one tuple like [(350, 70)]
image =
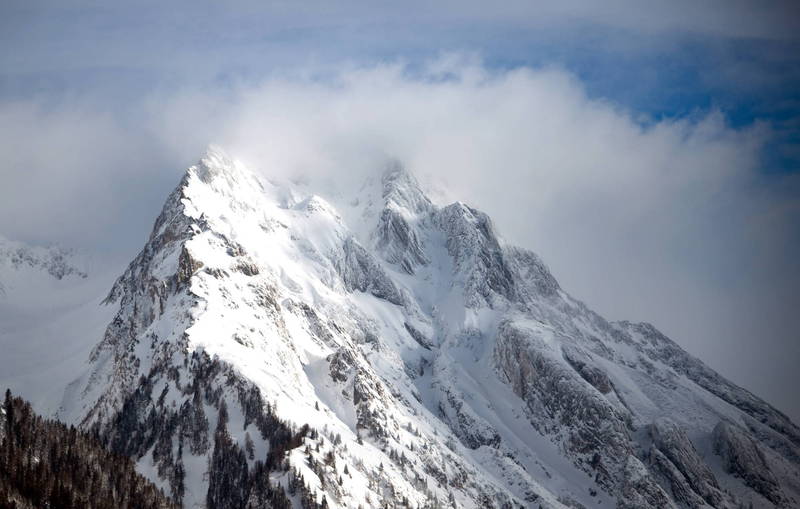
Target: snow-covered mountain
[(50, 318), (370, 348), (55, 261)]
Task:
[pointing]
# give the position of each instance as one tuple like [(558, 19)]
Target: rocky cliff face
[(744, 458), (690, 479), (371, 348)]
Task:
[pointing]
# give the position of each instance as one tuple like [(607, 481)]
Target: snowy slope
[(433, 362), (49, 320)]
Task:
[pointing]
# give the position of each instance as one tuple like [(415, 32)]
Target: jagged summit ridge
[(431, 360), (402, 191), (404, 207)]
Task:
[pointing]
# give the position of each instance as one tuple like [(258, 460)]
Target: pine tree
[(249, 446), (45, 464)]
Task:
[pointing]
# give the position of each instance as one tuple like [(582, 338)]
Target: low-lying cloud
[(669, 221)]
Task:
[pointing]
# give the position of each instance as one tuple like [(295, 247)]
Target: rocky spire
[(405, 206), (402, 191)]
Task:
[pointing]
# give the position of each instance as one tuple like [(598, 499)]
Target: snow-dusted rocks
[(672, 455), (405, 205), (360, 271), (56, 261), (368, 347), (742, 457), (563, 405)]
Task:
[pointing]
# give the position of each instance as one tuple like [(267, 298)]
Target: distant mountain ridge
[(369, 347), (57, 261)]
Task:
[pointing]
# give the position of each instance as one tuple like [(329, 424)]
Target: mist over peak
[(380, 219)]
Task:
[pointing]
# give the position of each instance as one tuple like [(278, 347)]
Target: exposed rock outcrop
[(742, 457), (675, 458)]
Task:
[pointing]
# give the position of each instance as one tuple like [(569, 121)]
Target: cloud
[(662, 220), (202, 38), (76, 175)]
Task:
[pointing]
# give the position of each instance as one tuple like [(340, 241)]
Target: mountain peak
[(394, 168), (401, 189), (215, 162), (399, 356)]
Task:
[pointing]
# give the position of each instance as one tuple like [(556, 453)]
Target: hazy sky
[(649, 152)]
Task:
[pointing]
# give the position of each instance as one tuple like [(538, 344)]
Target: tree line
[(44, 463)]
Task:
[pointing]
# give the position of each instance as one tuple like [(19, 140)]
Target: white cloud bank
[(668, 221)]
